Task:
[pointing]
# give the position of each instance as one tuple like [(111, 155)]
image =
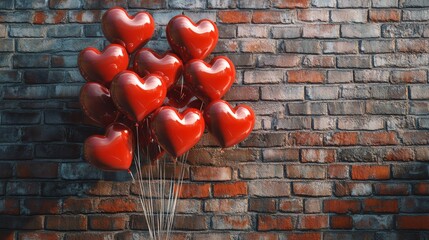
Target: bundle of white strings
[(158, 193)]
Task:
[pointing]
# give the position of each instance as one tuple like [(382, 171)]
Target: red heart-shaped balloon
[(137, 97), (167, 65), (175, 132), (130, 31), (182, 98), (229, 125), (114, 151), (102, 67), (210, 81), (190, 40), (147, 141), (97, 104)]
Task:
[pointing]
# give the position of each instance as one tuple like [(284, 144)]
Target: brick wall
[(340, 148)]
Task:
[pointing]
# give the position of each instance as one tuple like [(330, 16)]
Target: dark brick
[(31, 60), (103, 4), (414, 205), (75, 171), (16, 152), (58, 151), (63, 188), (9, 134), (65, 4), (9, 117), (9, 76), (148, 4), (23, 188), (21, 222), (63, 117), (37, 170), (63, 61), (6, 171), (410, 171)]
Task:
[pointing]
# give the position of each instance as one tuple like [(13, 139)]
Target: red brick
[(318, 155), (257, 236), (338, 171), (41, 206), (391, 189), (412, 222), (267, 17), (342, 139), (312, 189), (63, 222), (291, 4), (258, 46), (107, 222), (312, 222), (399, 154), (291, 205), (242, 93), (274, 222), (114, 205), (234, 189), (79, 205), (88, 235), (107, 188), (341, 206), (421, 188), (304, 236), (380, 205), (305, 76), (410, 76), (341, 222), (265, 205), (191, 190), (307, 138), (39, 235), (385, 15), (373, 172), (211, 173), (232, 16), (378, 138)]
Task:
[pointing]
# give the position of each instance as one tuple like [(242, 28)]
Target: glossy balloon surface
[(175, 132), (182, 98), (210, 81), (97, 104), (168, 65), (137, 97), (101, 67), (114, 151), (229, 125), (130, 31), (190, 40)]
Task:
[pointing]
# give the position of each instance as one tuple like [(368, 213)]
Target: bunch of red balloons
[(157, 102)]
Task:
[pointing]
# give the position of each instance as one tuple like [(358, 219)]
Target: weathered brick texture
[(340, 148)]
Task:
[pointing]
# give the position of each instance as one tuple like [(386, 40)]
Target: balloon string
[(141, 186), (132, 176)]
